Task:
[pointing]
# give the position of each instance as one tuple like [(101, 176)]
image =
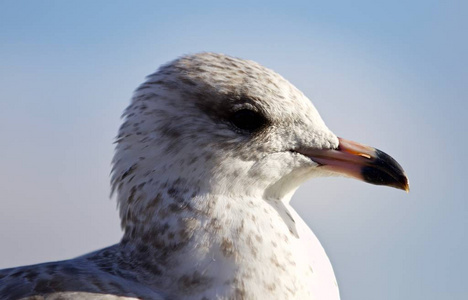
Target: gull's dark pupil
[(248, 120)]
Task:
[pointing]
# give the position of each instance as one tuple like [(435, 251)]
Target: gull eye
[(248, 120)]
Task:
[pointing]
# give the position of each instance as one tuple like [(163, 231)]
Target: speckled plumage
[(204, 207)]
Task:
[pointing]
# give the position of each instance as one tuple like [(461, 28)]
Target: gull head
[(213, 124)]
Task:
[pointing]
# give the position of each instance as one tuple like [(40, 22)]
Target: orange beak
[(362, 162)]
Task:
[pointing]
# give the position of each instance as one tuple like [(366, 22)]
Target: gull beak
[(362, 162)]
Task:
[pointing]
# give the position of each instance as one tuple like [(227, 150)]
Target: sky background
[(393, 75)]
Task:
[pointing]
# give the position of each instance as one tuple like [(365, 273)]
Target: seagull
[(209, 154)]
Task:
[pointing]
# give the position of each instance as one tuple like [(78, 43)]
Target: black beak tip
[(385, 170)]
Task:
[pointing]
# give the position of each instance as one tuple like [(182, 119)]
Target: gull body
[(209, 154)]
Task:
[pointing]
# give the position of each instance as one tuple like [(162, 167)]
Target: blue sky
[(392, 75)]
